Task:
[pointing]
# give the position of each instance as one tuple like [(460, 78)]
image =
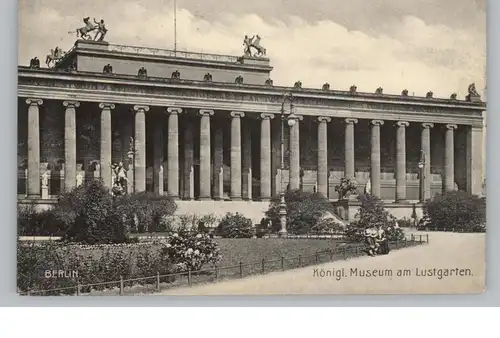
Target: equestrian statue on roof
[(98, 26)]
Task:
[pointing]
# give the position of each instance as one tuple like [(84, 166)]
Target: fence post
[(396, 243), (282, 263), (300, 261), (317, 258), (427, 238), (121, 285), (158, 280), (344, 252), (216, 272), (189, 277), (78, 287), (262, 265), (241, 270), (331, 254)]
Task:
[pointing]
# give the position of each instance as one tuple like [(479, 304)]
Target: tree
[(456, 210), (370, 214), (304, 210)]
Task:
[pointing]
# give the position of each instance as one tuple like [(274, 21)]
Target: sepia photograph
[(232, 147)]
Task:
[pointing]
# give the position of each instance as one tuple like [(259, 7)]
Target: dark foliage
[(456, 210), (235, 226), (372, 213), (304, 210)]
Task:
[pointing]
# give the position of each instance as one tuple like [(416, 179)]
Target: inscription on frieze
[(229, 95)]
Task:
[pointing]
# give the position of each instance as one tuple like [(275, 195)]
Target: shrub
[(85, 212), (31, 222), (304, 210), (109, 262), (263, 228), (191, 252), (235, 226), (372, 213), (327, 225), (93, 264), (456, 210), (146, 211)]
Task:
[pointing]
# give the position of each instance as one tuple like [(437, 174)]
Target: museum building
[(208, 128)]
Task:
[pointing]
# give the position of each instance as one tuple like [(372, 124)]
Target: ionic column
[(205, 156), (449, 156), (375, 158), (295, 152), (236, 155), (106, 143), (247, 162), (265, 156), (401, 161), (349, 171), (34, 147), (188, 161), (140, 148), (70, 144), (218, 172), (323, 155), (426, 156), (158, 158), (475, 159), (173, 152)]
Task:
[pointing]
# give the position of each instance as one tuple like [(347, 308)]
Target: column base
[(205, 199), (236, 199), (283, 233)]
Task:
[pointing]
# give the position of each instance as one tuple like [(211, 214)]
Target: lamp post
[(291, 123), (421, 167)]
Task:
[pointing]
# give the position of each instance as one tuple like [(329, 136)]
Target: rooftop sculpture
[(98, 26), (254, 42)]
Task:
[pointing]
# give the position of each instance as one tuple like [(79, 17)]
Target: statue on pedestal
[(473, 95), (120, 180)]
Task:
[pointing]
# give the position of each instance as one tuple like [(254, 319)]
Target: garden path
[(444, 251)]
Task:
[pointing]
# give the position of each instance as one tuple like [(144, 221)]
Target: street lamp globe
[(420, 165), (291, 122)]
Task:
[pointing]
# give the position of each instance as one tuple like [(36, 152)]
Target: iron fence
[(217, 273)]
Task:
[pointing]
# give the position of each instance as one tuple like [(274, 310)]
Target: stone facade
[(221, 140)]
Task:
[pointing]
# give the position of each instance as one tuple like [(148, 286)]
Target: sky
[(419, 45)]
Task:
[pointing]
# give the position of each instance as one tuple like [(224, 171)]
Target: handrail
[(172, 53)]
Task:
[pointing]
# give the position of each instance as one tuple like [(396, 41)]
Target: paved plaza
[(450, 263)]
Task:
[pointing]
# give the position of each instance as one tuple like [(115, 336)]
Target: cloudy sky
[(421, 45)]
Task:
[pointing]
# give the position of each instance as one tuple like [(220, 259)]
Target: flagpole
[(175, 27)]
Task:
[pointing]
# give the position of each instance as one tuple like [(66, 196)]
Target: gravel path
[(450, 263)]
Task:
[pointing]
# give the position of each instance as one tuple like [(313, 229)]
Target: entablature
[(96, 87)]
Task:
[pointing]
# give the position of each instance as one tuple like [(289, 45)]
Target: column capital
[(208, 112), (402, 124), (266, 116), (139, 108), (237, 114), (105, 105), (324, 119), (427, 125), (295, 117), (451, 126), (351, 121), (34, 102), (377, 122), (174, 110), (71, 104)]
